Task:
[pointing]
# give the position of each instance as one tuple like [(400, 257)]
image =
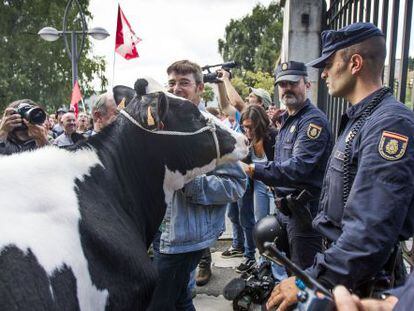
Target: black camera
[(251, 290), (211, 77), (31, 113)]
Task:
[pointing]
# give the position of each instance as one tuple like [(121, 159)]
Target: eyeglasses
[(181, 83), (286, 83)]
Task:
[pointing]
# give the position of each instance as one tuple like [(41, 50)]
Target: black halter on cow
[(75, 224)]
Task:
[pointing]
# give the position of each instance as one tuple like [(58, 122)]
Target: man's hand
[(223, 75), (37, 132), (344, 301), (248, 169), (283, 295), (9, 122)]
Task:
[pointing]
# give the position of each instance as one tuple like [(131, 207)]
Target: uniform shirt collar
[(298, 113), (356, 110)]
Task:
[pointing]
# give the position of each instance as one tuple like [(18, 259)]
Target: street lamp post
[(51, 34)]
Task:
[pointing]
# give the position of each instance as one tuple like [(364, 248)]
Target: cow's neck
[(134, 168)]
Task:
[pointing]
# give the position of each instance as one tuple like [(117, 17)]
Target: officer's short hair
[(185, 67), (372, 50)]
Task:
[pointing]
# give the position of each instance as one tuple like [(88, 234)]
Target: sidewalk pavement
[(210, 297)]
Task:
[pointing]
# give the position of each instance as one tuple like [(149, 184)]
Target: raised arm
[(234, 98)]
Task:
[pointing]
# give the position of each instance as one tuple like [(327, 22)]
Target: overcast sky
[(170, 30)]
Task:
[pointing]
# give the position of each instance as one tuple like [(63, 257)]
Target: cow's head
[(191, 142)]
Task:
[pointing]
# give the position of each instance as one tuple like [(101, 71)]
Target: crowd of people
[(62, 128), (359, 190)]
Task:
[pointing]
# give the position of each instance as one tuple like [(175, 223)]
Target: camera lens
[(35, 116)]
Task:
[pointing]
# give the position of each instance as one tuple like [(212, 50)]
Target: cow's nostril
[(246, 141)]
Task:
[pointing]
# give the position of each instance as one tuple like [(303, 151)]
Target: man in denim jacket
[(195, 218)]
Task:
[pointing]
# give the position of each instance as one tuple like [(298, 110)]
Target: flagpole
[(83, 105), (113, 63), (113, 70)]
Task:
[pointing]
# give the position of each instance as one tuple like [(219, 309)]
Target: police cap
[(290, 71), (334, 40)]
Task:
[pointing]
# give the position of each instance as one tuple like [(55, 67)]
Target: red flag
[(76, 97), (125, 40)]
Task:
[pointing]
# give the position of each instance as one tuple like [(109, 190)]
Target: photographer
[(231, 102), (17, 134)]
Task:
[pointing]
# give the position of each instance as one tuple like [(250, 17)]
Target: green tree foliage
[(33, 68), (410, 63), (254, 41), (249, 79), (208, 93)]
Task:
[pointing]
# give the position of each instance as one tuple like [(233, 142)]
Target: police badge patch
[(314, 131), (392, 146)]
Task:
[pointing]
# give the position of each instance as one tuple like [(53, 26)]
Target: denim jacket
[(195, 218)]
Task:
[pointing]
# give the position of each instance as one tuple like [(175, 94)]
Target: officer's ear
[(357, 63), (307, 83)]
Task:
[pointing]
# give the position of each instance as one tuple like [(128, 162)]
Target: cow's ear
[(123, 95), (152, 110), (162, 106)]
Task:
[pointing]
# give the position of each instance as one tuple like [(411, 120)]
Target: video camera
[(211, 77), (251, 290), (255, 290)]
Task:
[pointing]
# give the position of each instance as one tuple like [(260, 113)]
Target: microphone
[(234, 288)]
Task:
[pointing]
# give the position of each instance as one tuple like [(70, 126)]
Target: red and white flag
[(76, 97), (125, 40)]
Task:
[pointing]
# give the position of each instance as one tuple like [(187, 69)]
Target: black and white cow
[(75, 225)]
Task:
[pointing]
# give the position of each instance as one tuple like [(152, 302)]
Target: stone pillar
[(302, 23)]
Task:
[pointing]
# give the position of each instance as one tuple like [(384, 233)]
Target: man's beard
[(293, 101)]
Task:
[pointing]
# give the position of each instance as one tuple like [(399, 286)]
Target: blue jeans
[(264, 205), (241, 215), (263, 200), (172, 292), (192, 282)]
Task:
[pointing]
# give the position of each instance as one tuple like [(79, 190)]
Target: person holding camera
[(21, 127), (244, 213), (231, 102)]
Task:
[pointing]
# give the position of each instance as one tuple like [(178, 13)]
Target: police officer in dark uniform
[(367, 201), (302, 150)]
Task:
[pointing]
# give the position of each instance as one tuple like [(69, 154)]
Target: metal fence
[(394, 18)]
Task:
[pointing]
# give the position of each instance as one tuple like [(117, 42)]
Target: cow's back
[(42, 261)]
